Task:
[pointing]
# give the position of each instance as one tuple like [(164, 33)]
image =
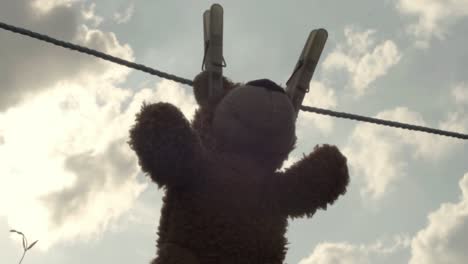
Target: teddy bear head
[(256, 119)]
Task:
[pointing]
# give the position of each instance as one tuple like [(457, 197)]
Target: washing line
[(181, 80)]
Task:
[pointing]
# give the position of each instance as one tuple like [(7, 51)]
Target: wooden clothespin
[(213, 60), (298, 84)]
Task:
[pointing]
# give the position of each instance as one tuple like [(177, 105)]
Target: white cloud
[(364, 60), (444, 239), (348, 253), (174, 93), (44, 6), (68, 166), (290, 161), (22, 69), (90, 14), (63, 154), (460, 94), (321, 96), (67, 173), (318, 96), (381, 154), (373, 153), (434, 17), (126, 15)]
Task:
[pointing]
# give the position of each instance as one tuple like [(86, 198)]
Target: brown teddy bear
[(226, 200)]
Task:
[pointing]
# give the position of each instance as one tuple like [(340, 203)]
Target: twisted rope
[(94, 53), (168, 76), (383, 122)]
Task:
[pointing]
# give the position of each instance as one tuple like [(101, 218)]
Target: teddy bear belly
[(220, 231)]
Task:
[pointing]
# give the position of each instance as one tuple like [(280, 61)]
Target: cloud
[(22, 69), (96, 175), (44, 6), (318, 96), (68, 166), (174, 93), (63, 152), (90, 15), (124, 16), (364, 60), (373, 153), (460, 94), (343, 252), (289, 162), (380, 155), (67, 172), (444, 239), (434, 17)]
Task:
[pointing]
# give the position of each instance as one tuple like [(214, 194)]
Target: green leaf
[(32, 245)]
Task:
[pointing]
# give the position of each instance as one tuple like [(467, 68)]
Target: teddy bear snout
[(254, 117)]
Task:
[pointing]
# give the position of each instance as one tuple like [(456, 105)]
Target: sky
[(69, 179)]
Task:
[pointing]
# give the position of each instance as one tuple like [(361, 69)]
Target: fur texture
[(227, 205)]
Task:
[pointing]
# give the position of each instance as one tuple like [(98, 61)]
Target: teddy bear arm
[(313, 182), (166, 146)]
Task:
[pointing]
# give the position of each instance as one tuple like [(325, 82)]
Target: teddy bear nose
[(255, 116)]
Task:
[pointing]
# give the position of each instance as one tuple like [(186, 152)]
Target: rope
[(383, 122), (168, 76), (94, 53)]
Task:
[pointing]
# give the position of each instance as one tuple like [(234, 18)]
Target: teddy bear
[(226, 198)]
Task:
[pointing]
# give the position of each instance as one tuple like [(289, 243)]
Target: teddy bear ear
[(201, 88)]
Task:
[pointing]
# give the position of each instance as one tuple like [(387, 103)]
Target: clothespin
[(213, 60), (298, 84)]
